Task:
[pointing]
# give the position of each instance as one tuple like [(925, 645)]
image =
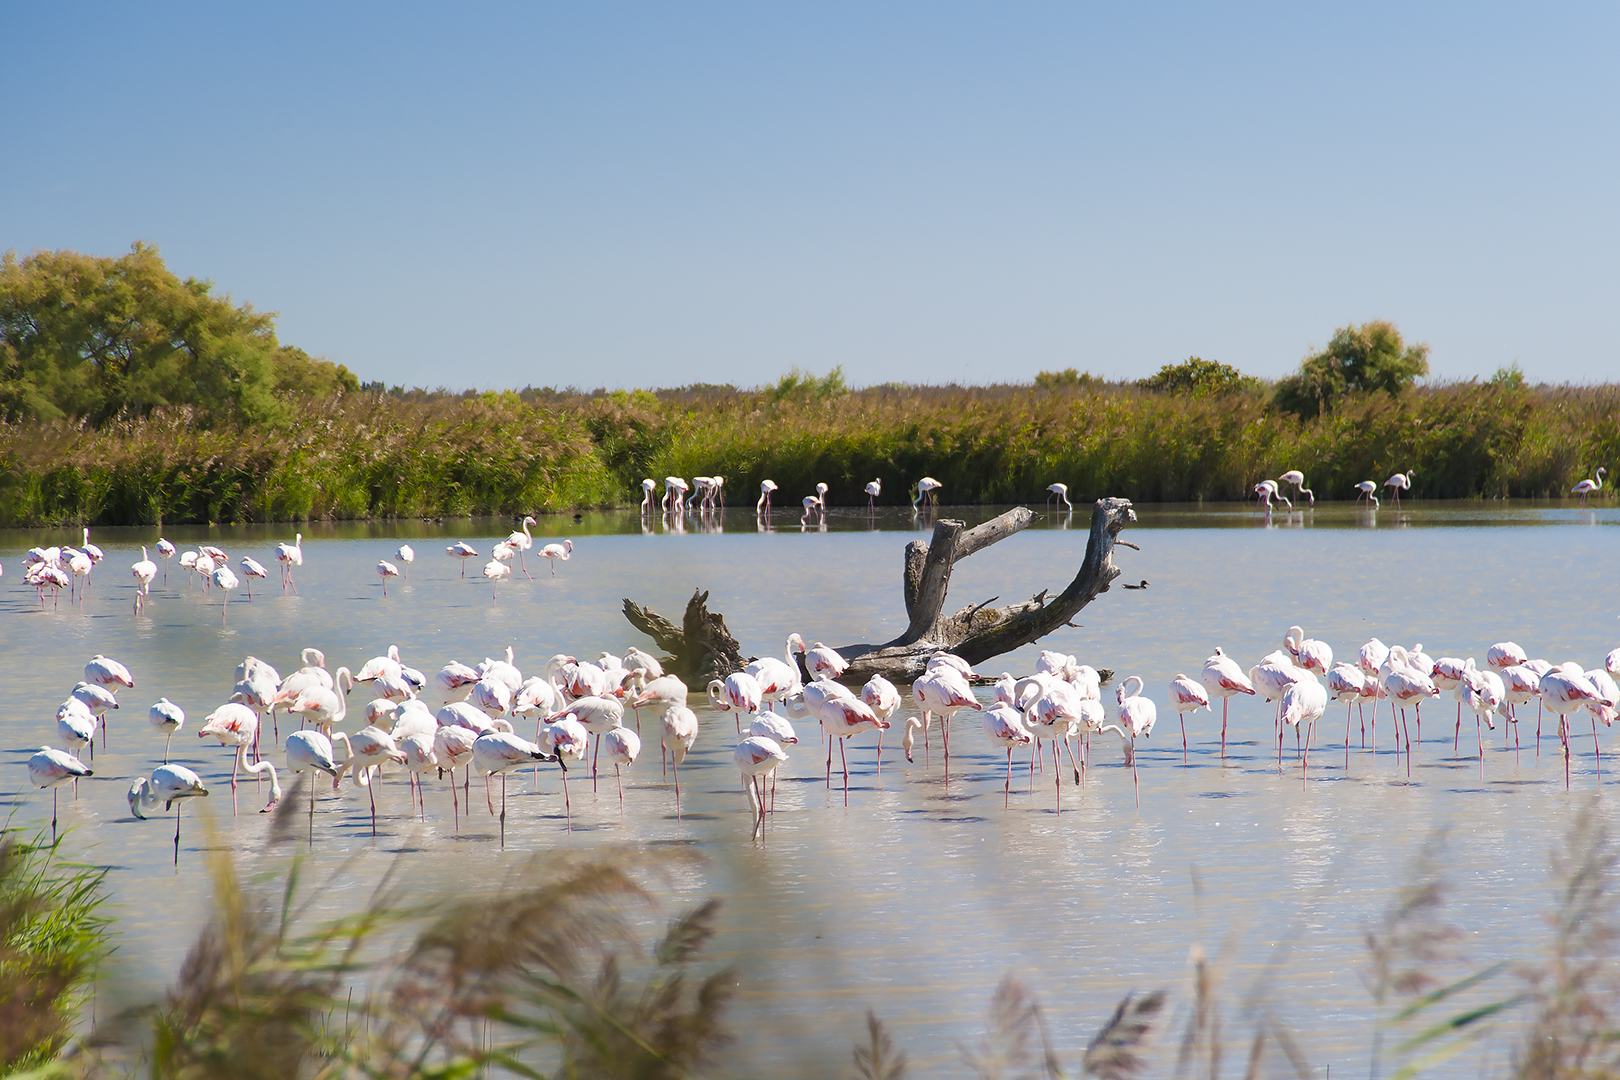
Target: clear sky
[(487, 195)]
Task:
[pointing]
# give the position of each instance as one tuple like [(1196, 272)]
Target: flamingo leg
[(1183, 718), (620, 782), (178, 804), (1006, 791), (371, 789), (455, 801), (844, 758), (677, 766), (503, 811), (1225, 701)]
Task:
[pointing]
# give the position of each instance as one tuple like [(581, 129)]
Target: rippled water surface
[(921, 893)]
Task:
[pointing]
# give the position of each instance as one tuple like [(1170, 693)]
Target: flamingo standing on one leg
[(386, 570), (252, 568), (623, 747), (406, 555), (463, 551), (166, 550), (497, 572), (167, 718), (171, 785), (552, 552), (51, 769), (873, 490), (501, 752), (1004, 726), (1223, 678), (1186, 696)]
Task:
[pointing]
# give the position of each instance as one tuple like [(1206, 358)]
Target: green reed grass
[(417, 454), (54, 932)]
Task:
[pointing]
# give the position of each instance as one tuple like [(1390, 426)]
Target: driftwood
[(701, 648), (978, 632)]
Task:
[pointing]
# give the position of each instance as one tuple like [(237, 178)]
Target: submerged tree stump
[(702, 648)]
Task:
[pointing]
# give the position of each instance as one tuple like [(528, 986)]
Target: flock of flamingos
[(578, 707)]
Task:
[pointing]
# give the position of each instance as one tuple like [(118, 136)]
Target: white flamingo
[(1590, 487), (170, 785), (289, 556)]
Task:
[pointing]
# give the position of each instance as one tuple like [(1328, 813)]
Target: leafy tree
[(1365, 358), (1196, 377), (89, 337), (1067, 379)]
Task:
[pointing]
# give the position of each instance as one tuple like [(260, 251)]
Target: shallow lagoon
[(921, 894)]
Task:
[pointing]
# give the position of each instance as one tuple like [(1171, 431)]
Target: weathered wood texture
[(979, 632), (700, 649)]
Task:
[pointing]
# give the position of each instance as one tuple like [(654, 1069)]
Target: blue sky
[(633, 195)]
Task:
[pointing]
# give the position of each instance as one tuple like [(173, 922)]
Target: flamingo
[(1404, 683), (648, 486), (105, 671), (739, 693), (883, 698), (234, 724), (756, 757), (600, 715), (497, 572), (1061, 493), (1223, 678), (167, 718), (926, 489), (778, 679), (1400, 482), (365, 751), (1366, 489), (1004, 726), (552, 552), (1186, 696), (843, 717), (386, 570), (167, 550), (289, 556), (81, 565), (1297, 478), (623, 747), (1505, 654), (1588, 487), (681, 734), (1304, 702), (765, 489), (1520, 685), (252, 568), (1370, 659), (417, 746), (521, 541), (322, 706), (1448, 673), (873, 490), (1135, 717), (143, 572), (945, 690), (1312, 655), (228, 584), (812, 505), (51, 769), (1347, 685), (406, 555), (463, 551), (661, 693), (501, 752), (1566, 689), (1483, 692), (1056, 710), (453, 746), (170, 785), (824, 662), (1267, 490)]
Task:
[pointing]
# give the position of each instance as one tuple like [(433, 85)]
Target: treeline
[(375, 454), (129, 396)]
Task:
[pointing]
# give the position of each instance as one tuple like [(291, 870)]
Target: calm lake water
[(922, 893)]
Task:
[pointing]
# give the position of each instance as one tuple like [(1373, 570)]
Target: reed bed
[(379, 454)]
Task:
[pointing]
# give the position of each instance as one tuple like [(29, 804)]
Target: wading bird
[(289, 556), (1590, 487), (552, 552), (51, 769), (170, 785), (1061, 493), (1400, 482), (463, 551), (386, 570), (1297, 478)]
